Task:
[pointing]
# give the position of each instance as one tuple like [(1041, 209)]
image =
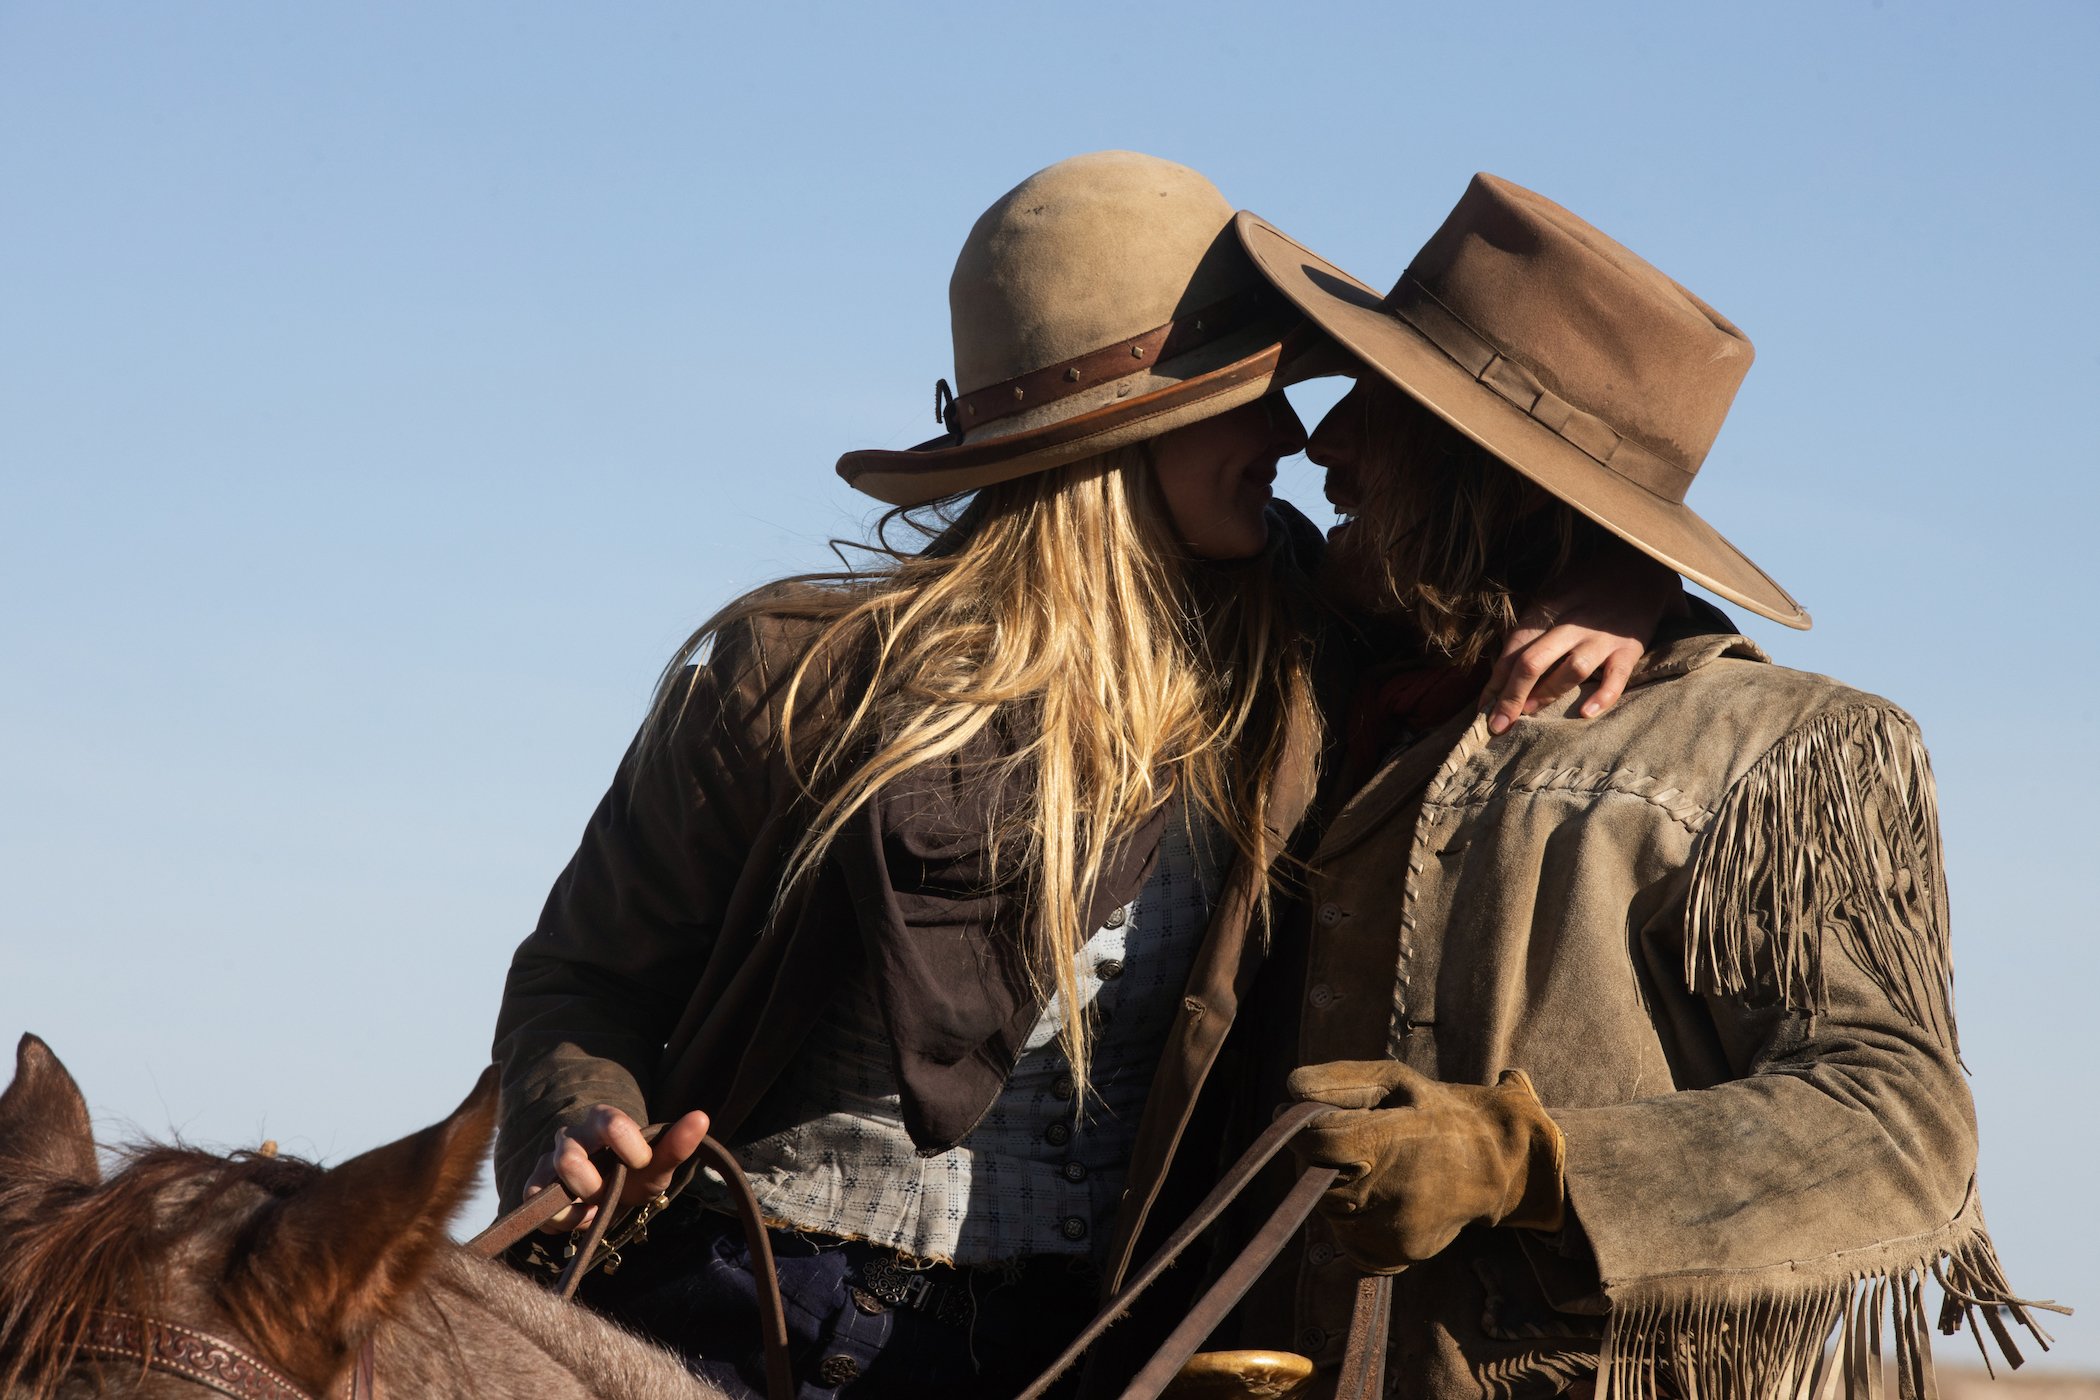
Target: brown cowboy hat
[(1563, 354), (1101, 302)]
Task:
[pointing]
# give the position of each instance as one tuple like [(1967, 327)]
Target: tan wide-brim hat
[(1563, 354), (1099, 303)]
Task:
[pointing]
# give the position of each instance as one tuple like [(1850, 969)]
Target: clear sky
[(385, 390)]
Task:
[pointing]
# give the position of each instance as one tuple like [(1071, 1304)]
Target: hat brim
[(944, 466), (1351, 312)]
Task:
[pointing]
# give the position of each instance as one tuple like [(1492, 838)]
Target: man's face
[(1361, 487), (1337, 444)]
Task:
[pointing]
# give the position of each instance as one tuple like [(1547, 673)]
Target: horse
[(184, 1273)]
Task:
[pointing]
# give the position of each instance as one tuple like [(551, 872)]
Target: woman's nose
[(1286, 428)]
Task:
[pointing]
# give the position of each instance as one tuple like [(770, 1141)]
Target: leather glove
[(1420, 1160)]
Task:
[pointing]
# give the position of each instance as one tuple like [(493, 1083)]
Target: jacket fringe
[(1816, 1330), (1833, 833)]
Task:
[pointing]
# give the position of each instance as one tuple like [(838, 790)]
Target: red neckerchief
[(1392, 708)]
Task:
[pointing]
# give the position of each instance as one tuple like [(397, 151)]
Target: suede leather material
[(1737, 1139), (655, 983)]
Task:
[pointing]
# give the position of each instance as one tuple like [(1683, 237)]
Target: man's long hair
[(1059, 611), (1446, 536)]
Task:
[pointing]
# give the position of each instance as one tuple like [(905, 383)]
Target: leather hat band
[(1180, 336), (1442, 327)]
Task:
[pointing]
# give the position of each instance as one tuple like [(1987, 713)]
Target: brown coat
[(654, 984), (1711, 925)]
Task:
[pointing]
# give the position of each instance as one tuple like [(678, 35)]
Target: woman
[(934, 888)]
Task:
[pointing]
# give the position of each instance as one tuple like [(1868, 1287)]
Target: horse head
[(299, 1263)]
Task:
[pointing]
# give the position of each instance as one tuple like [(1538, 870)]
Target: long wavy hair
[(1059, 612), (1445, 535)]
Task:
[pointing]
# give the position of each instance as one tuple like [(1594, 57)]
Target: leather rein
[(220, 1365)]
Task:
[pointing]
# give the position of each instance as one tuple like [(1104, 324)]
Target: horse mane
[(75, 1248)]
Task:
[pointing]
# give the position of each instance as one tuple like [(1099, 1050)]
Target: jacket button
[(1062, 1087), (1320, 1254), (837, 1369), (1075, 1171), (1058, 1134), (1116, 917), (1073, 1228), (1109, 969), (1312, 1338), (1321, 996), (1330, 914)]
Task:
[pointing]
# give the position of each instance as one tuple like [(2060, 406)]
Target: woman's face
[(1216, 476)]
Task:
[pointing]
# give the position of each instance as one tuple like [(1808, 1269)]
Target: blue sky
[(386, 389)]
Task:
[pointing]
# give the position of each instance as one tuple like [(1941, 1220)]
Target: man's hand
[(649, 1167), (1594, 623), (1420, 1160)]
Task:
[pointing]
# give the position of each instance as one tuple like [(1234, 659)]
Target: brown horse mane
[(77, 1247)]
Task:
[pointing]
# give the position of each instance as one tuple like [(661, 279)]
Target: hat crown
[(1599, 326), (1089, 252)]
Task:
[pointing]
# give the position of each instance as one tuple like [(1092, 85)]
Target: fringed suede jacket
[(1712, 925)]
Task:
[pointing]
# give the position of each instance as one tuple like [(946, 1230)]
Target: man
[(1666, 1089)]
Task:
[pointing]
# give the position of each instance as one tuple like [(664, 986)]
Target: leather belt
[(1180, 336), (946, 1300)]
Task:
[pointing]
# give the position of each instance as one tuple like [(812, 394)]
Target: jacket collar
[(1681, 645)]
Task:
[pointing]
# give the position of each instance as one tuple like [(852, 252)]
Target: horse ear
[(324, 1266), (43, 1118)]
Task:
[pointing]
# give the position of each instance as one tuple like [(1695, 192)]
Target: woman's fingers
[(1526, 656), (1618, 669), (650, 1167), (678, 1141), (1536, 672), (569, 1166), (1582, 660), (568, 1161), (608, 1127)]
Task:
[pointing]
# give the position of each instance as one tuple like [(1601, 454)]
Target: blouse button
[(1075, 1171), (1062, 1087), (1058, 1134), (1073, 1228), (1109, 969), (1116, 917)]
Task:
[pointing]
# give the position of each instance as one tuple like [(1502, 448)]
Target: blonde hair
[(1445, 534), (1059, 608)]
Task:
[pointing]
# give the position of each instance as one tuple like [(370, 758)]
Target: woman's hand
[(1594, 623), (649, 1167)]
